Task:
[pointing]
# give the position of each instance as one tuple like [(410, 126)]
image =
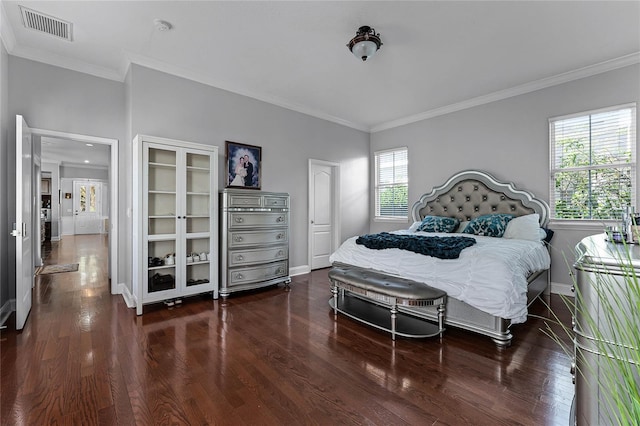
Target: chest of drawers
[(254, 240)]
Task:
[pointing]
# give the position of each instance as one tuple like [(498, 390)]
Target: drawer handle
[(280, 253), (237, 238), (280, 270), (239, 220), (239, 257), (279, 236), (239, 276), (280, 219), (573, 289)]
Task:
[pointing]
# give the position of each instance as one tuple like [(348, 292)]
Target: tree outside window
[(593, 164)]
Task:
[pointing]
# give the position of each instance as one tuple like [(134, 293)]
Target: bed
[(485, 296)]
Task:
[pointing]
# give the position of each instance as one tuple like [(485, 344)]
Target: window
[(392, 184), (593, 163)]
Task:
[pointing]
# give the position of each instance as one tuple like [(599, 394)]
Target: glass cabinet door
[(198, 218), (162, 211)]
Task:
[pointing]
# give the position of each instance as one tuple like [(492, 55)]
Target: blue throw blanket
[(440, 247)]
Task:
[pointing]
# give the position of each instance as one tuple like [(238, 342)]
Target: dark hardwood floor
[(270, 357)]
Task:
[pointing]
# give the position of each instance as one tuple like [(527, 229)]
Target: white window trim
[(590, 224), (388, 219)]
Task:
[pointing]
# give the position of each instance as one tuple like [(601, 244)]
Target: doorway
[(108, 220), (324, 212)]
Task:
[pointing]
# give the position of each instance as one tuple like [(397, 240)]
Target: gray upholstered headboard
[(472, 193)]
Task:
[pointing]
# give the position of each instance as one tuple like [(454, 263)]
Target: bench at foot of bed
[(379, 300)]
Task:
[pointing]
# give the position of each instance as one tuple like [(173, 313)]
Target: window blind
[(391, 197), (593, 163)]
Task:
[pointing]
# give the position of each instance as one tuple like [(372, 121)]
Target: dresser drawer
[(252, 238), (257, 219), (253, 256), (257, 273), (242, 200), (276, 202)]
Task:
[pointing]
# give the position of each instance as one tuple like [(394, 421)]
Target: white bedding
[(490, 275)]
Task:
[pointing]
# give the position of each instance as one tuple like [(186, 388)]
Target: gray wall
[(158, 104), (509, 139), (172, 107), (54, 98), (74, 172), (6, 291)]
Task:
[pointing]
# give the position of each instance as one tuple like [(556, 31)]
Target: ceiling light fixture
[(365, 43), (86, 161), (89, 144)]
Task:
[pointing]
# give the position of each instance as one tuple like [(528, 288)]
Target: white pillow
[(463, 225), (524, 228), (414, 226)]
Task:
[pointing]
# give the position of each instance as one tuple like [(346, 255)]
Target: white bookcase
[(175, 226)]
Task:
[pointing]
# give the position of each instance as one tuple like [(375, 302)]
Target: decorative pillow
[(525, 228), (490, 225), (438, 224)]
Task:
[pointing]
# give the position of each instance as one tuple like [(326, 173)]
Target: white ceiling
[(67, 152), (437, 56)]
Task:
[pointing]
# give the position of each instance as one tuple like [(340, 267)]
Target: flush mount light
[(162, 25), (89, 144), (365, 43), (86, 161)]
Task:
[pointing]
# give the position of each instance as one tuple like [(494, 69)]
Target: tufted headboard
[(472, 193)]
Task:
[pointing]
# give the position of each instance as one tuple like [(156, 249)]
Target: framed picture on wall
[(243, 165)]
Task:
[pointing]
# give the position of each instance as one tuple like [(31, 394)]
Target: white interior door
[(87, 207), (322, 201), (23, 225)]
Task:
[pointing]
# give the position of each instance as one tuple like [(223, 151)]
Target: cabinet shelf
[(155, 268), (162, 165), (201, 262), (156, 191), (162, 237)]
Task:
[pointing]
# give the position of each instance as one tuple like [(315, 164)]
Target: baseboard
[(129, 298), (6, 310), (299, 270), (562, 288), (55, 238)]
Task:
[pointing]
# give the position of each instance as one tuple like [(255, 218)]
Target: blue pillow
[(438, 224), (489, 225)]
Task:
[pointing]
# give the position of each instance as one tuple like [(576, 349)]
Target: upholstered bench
[(378, 300)]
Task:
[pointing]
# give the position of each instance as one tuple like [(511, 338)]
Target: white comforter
[(490, 275)]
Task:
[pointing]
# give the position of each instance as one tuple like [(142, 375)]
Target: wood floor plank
[(272, 356)]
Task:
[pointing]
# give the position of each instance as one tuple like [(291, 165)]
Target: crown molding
[(532, 86), (273, 100), (65, 62), (6, 30)]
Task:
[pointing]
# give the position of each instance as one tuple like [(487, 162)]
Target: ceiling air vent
[(46, 24)]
